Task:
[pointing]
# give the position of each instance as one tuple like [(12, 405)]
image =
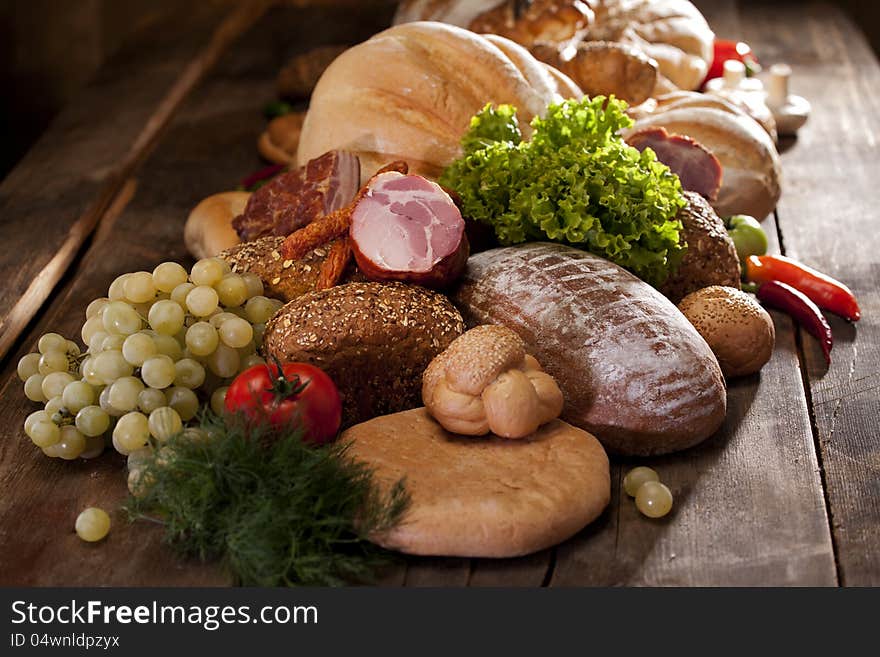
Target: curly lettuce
[(575, 181)]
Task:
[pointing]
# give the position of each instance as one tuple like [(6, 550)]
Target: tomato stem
[(283, 387)]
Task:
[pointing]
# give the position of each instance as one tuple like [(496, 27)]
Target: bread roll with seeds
[(282, 278), (374, 340)]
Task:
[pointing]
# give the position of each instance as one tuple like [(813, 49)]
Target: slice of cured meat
[(696, 166), (296, 198), (407, 228)]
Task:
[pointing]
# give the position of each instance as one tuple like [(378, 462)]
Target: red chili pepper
[(825, 292), (252, 182), (724, 50), (798, 305)]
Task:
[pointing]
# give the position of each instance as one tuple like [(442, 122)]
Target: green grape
[(236, 333), (232, 290), (253, 283), (653, 499), (224, 362), (106, 406), (208, 271), (202, 339), (45, 434), (33, 388), (179, 293), (250, 361), (138, 458), (89, 375), (92, 421), (96, 341), (259, 331), (28, 366), (96, 307), (123, 393), (111, 365), (131, 432), (120, 318), (139, 287), (77, 395), (164, 422), (202, 301), (33, 418), (92, 326), (92, 525), (150, 399), (72, 444), (53, 384), (52, 451), (73, 349), (636, 477), (54, 407), (94, 447), (168, 346), (113, 343), (116, 292), (158, 371), (189, 373), (218, 400), (52, 342), (166, 317), (259, 310), (53, 361), (184, 401), (137, 348), (168, 276), (217, 320)]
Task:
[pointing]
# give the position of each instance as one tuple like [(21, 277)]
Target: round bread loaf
[(483, 497), (208, 229), (631, 368), (373, 339)]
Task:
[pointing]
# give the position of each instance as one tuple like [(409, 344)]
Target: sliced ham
[(296, 198), (696, 166), (407, 228)]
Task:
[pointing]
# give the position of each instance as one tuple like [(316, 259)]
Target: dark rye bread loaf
[(374, 340), (632, 369)]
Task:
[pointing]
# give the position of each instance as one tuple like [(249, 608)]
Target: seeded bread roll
[(374, 340), (282, 278)]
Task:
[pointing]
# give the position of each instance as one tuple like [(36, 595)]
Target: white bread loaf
[(208, 229), (409, 93)]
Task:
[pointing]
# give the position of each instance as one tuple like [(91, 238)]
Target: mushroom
[(485, 382), (738, 330)]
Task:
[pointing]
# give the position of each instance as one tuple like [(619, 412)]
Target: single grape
[(208, 271), (166, 317), (92, 525), (54, 383), (73, 349), (184, 401), (52, 451), (202, 301), (250, 361), (259, 310), (137, 348), (94, 447), (106, 406), (236, 333), (111, 365), (52, 342), (113, 343), (139, 458), (96, 341), (224, 362), (123, 394), (120, 318), (232, 290), (89, 375), (92, 421), (165, 422), (158, 371), (72, 444), (139, 287), (53, 361), (33, 388), (253, 283), (33, 418), (150, 399), (131, 432), (189, 373), (217, 319), (636, 477), (77, 395), (168, 346), (168, 275), (202, 339), (179, 293), (53, 407), (45, 434), (28, 366), (96, 307), (92, 326), (653, 499), (116, 291), (218, 400)]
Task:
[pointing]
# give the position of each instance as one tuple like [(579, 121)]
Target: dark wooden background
[(786, 493)]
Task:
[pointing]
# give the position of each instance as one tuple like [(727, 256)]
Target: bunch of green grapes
[(159, 345)]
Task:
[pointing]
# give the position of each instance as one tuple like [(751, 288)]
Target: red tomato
[(301, 393), (725, 50)]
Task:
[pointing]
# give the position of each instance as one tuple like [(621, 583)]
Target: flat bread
[(484, 496)]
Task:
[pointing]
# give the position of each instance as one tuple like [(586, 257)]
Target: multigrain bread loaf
[(483, 497), (373, 339), (631, 367)]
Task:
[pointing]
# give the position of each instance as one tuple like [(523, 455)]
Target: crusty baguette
[(632, 369)]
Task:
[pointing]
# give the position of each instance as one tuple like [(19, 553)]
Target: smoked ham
[(296, 198), (696, 166), (407, 228)]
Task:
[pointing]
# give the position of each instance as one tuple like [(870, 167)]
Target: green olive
[(747, 235)]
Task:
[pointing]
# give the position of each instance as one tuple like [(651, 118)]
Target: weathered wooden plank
[(828, 217), (208, 146), (54, 199), (749, 508)]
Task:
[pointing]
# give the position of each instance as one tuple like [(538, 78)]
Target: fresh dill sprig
[(278, 511)]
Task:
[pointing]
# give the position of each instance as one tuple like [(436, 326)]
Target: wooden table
[(787, 492)]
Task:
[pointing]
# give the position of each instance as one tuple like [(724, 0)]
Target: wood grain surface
[(752, 504)]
